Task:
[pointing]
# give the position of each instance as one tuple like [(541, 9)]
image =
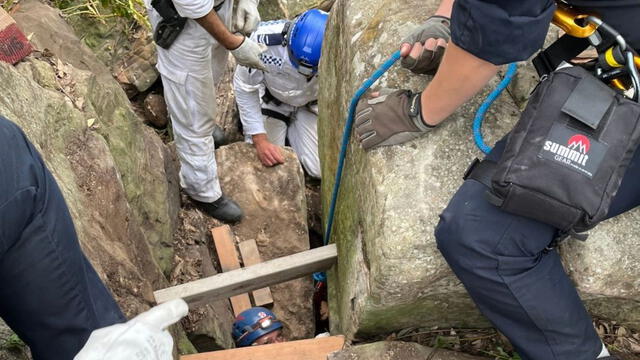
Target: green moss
[(185, 347)]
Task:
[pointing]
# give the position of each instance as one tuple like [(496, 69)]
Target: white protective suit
[(190, 68), (297, 94)]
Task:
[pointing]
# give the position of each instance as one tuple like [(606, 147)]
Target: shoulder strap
[(272, 39)]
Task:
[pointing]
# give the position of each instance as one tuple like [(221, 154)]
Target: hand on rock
[(423, 49), (143, 337), (268, 153)]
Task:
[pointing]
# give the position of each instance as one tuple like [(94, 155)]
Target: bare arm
[(214, 26), (445, 8), (461, 75)]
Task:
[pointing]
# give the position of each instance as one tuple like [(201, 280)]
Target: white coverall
[(190, 69), (290, 87)]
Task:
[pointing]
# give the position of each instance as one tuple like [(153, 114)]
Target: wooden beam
[(251, 277), (251, 256), (228, 258), (310, 349)]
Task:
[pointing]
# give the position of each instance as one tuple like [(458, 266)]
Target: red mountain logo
[(579, 142)]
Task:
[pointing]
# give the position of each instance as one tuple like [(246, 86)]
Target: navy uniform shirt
[(504, 31)]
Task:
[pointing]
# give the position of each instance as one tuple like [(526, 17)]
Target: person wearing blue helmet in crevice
[(257, 326), (280, 103)]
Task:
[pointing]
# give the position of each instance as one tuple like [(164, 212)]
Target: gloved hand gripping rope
[(346, 135)]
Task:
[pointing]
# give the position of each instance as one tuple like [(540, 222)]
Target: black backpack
[(565, 158)]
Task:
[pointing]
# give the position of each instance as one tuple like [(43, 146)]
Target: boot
[(223, 209), (219, 138)]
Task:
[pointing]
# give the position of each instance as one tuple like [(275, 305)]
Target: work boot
[(223, 209), (219, 138)]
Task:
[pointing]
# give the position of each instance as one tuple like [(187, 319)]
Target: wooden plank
[(251, 256), (310, 349), (228, 258), (253, 277)]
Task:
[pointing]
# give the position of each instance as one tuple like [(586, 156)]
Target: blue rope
[(482, 110), (346, 135)]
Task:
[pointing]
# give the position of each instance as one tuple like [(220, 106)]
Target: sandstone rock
[(11, 347), (390, 274), (396, 350), (155, 110), (273, 10), (288, 9), (99, 169), (48, 30), (273, 200), (138, 68), (227, 113), (101, 99)]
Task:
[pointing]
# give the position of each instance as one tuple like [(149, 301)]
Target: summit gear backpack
[(566, 156)]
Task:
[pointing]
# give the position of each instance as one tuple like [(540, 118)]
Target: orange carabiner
[(567, 20)]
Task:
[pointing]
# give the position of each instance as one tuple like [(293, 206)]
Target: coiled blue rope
[(482, 110)]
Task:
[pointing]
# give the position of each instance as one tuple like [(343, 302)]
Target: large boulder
[(137, 153), (390, 274), (94, 150), (274, 204), (396, 350)]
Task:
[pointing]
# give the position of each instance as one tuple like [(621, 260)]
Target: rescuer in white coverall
[(281, 102), (190, 67)]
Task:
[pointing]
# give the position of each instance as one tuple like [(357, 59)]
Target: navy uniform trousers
[(523, 289), (50, 295)]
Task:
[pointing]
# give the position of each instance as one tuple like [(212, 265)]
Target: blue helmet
[(305, 40), (252, 324)]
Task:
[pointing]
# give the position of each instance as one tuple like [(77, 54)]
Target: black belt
[(482, 171), (276, 115)]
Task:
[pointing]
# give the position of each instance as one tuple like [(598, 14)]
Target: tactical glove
[(436, 27), (389, 119), (247, 16), (248, 54)]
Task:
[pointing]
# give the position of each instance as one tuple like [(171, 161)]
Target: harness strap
[(276, 115), (564, 49)]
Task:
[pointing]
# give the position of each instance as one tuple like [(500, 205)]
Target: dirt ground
[(489, 343)]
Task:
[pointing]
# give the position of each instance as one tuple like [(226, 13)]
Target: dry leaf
[(90, 122)]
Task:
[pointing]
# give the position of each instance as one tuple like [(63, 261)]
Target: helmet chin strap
[(306, 71)]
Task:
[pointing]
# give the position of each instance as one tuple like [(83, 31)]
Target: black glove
[(436, 27), (389, 119)]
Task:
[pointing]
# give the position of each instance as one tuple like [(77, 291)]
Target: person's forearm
[(460, 76), (214, 26), (445, 8)]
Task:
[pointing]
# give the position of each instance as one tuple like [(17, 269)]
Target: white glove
[(143, 337), (247, 16), (248, 54)]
